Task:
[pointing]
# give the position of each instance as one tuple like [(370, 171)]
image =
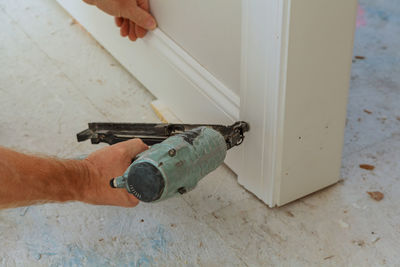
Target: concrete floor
[(54, 78)]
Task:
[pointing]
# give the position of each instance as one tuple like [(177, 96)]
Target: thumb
[(140, 17)]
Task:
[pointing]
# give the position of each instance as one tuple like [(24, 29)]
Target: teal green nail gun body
[(180, 154)]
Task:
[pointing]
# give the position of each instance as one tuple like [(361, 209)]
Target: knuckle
[(139, 142)]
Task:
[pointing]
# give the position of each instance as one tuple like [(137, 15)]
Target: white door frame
[(288, 152), (296, 63)]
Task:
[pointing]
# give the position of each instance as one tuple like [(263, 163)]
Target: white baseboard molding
[(164, 113)]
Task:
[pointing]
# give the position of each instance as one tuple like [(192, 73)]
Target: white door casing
[(294, 78), (296, 61)]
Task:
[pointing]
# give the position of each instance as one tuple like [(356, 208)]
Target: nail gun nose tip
[(246, 126)]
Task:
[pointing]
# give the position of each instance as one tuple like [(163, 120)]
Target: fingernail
[(151, 24)]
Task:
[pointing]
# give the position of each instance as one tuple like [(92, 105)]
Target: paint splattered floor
[(54, 78)]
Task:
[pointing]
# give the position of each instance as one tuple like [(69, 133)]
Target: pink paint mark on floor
[(361, 17)]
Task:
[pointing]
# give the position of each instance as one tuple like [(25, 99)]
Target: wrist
[(87, 191), (77, 179)]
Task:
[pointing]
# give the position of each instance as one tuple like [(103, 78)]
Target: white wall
[(209, 30)]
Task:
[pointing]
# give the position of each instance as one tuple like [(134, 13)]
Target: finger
[(140, 32), (125, 28), (144, 4), (131, 200), (119, 21), (90, 2), (132, 34), (140, 17), (121, 198), (132, 147)]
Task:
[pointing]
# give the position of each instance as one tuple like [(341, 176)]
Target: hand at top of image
[(131, 16)]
